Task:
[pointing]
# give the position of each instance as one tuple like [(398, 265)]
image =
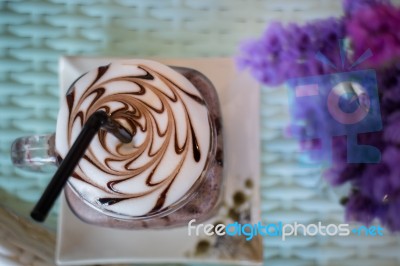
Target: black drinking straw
[(92, 126)]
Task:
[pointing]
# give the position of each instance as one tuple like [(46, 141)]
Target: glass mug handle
[(35, 153)]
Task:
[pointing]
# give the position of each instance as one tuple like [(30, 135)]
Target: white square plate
[(79, 243)]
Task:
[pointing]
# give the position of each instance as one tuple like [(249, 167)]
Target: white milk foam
[(168, 154)]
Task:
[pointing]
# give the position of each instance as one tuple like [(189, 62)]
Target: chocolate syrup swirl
[(168, 154)]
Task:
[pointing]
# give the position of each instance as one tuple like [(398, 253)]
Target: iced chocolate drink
[(171, 172)]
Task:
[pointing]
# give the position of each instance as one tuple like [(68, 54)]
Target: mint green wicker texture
[(34, 34)]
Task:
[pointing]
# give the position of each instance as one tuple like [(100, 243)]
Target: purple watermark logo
[(339, 104)]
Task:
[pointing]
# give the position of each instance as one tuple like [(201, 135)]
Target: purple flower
[(373, 183), (285, 52), (391, 158), (361, 208), (389, 88), (392, 130), (365, 209), (288, 51), (375, 28), (352, 6), (390, 217), (341, 172)]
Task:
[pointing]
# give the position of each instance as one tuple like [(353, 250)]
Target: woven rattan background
[(33, 34)]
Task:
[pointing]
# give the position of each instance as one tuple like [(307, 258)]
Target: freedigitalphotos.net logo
[(249, 231), (339, 104)]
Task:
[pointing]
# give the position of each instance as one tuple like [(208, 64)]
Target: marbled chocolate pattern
[(169, 151)]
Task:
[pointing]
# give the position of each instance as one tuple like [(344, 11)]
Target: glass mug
[(171, 172)]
